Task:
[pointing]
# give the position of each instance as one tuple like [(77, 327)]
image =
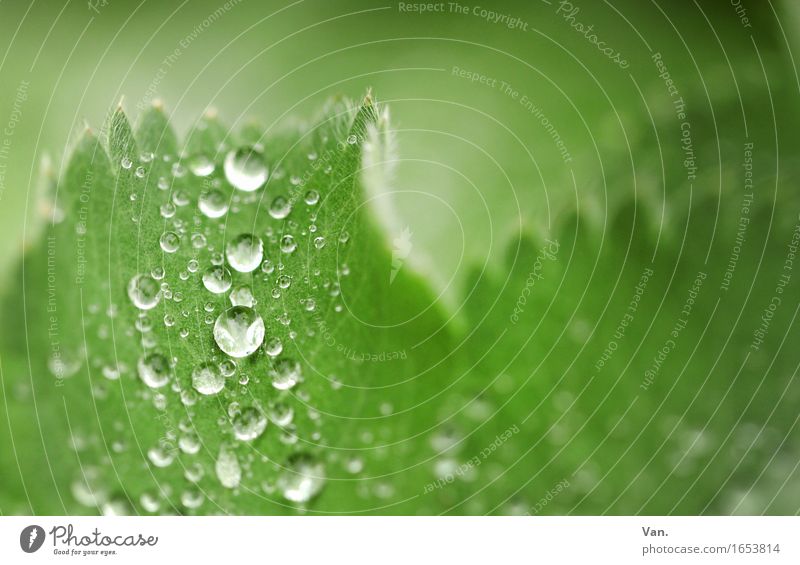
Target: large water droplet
[(249, 424), (239, 331), (245, 253), (302, 479), (229, 472), (154, 370), (207, 379), (144, 291), (217, 280), (285, 373), (245, 169)]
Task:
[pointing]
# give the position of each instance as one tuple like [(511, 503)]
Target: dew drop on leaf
[(302, 479), (207, 379), (169, 241), (245, 253), (242, 296), (280, 208), (144, 291), (213, 203), (239, 331), (201, 165), (285, 373), (245, 169), (217, 280), (274, 347), (249, 423), (288, 244), (154, 370), (229, 472)]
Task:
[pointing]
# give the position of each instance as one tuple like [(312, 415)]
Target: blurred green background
[(477, 165)]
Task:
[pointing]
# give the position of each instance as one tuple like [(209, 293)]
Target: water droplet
[(206, 379), (245, 253), (154, 370), (302, 479), (189, 443), (281, 414), (239, 331), (245, 169), (274, 347), (217, 280), (169, 241), (354, 465), (352, 139), (65, 362), (285, 373), (249, 423), (227, 367), (242, 296), (149, 502), (167, 210), (192, 498), (213, 203), (126, 163), (229, 472), (312, 197), (288, 244), (284, 281), (161, 456), (280, 208), (201, 165), (319, 242), (144, 291)]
